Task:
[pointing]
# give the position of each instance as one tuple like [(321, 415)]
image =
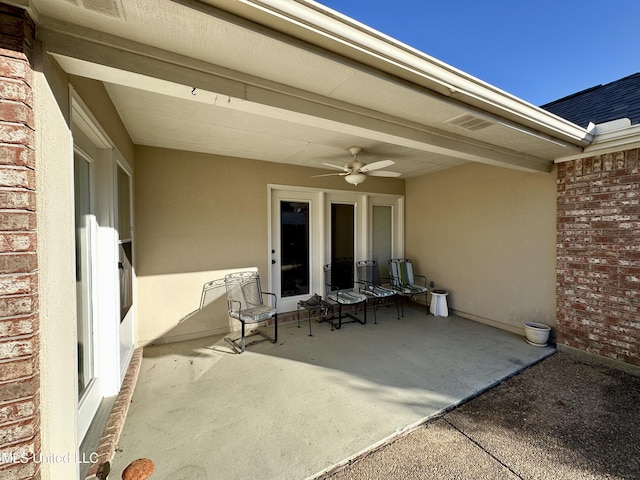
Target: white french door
[(295, 246), (342, 232), (311, 228), (383, 234)]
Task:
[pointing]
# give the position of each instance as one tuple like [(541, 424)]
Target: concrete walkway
[(297, 409), (560, 419)]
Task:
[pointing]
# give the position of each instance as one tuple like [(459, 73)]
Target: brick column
[(598, 248), (19, 326)]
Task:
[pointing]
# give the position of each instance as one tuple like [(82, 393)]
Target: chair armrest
[(395, 282), (367, 288), (421, 276), (386, 281), (275, 298), (230, 305)]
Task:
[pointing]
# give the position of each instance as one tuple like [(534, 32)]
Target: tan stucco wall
[(197, 216), (56, 272), (487, 235)]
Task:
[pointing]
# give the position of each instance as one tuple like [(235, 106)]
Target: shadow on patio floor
[(296, 409)]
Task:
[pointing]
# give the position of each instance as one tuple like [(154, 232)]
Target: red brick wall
[(598, 272), (19, 337)]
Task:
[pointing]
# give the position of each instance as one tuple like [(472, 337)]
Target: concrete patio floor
[(298, 408)]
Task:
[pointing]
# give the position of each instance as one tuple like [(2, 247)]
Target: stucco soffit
[(123, 62)]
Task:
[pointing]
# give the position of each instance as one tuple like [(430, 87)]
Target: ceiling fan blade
[(383, 173), (335, 166), (328, 175), (377, 165)]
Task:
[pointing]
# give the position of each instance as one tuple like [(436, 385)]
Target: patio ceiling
[(291, 82)]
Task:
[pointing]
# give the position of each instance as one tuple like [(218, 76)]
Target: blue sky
[(537, 50)]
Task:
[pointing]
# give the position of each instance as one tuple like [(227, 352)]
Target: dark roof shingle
[(603, 103)]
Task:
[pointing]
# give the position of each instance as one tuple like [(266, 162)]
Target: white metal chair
[(245, 303), (403, 280), (368, 273), (339, 290)]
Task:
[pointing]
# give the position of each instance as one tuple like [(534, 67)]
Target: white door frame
[(397, 222), (320, 220), (110, 367), (127, 325), (277, 195)]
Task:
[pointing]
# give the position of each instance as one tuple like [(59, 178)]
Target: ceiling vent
[(111, 8), (470, 122)]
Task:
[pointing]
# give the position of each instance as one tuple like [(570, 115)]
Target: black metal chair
[(339, 290), (245, 303), (368, 274)]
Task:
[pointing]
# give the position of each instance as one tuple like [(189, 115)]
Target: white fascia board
[(442, 78)]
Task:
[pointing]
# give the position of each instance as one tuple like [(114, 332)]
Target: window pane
[(294, 248), (84, 315), (125, 260), (342, 244), (124, 204), (381, 237)]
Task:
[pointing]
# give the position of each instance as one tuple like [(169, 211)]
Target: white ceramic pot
[(537, 333)]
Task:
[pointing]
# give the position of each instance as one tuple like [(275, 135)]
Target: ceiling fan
[(356, 172)]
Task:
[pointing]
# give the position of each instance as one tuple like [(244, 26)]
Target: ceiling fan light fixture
[(355, 178)]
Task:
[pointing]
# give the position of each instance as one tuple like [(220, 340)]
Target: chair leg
[(339, 318), (239, 344), (337, 326), (375, 307), (275, 333)]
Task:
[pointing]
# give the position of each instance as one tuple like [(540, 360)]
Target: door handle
[(273, 262)]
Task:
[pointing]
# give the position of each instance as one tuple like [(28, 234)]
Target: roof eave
[(330, 29), (609, 141)]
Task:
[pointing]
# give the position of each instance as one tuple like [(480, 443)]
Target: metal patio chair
[(338, 289), (245, 303), (403, 280), (368, 274)]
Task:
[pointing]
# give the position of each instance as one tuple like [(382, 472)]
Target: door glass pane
[(381, 237), (124, 204), (84, 317), (342, 244), (294, 248), (125, 268)]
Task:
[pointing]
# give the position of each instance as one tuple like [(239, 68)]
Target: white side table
[(439, 306)]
